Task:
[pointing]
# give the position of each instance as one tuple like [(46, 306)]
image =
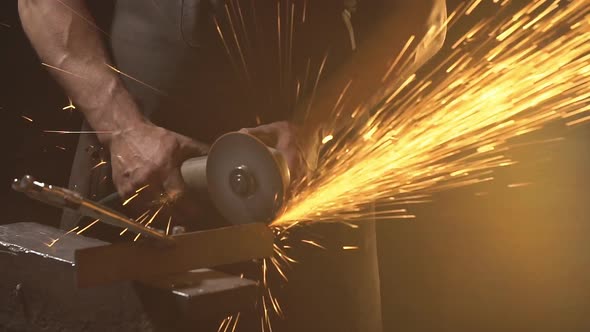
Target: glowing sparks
[(27, 118), (61, 70), (139, 220), (313, 243), (168, 225), (142, 188), (101, 163), (53, 241), (87, 227), (77, 132), (154, 216), (578, 121), (70, 106), (327, 139), (130, 199), (135, 79), (453, 130), (350, 247), (519, 185)]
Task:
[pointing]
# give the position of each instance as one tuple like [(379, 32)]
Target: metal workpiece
[(138, 260), (38, 290), (68, 199)]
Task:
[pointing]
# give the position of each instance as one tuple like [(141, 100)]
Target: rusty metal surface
[(145, 259)]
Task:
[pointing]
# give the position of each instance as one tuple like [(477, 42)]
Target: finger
[(266, 133), (175, 188), (174, 185), (124, 189), (190, 148)]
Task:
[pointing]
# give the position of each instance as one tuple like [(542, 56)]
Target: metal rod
[(65, 198)]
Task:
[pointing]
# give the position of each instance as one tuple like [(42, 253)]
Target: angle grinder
[(245, 179)]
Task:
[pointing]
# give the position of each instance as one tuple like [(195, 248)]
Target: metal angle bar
[(144, 259)]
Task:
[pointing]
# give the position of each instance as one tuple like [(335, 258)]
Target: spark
[(578, 121), (68, 232), (350, 247), (60, 147), (77, 132), (139, 220), (398, 58), (84, 18), (62, 70), (168, 225), (519, 185), (136, 80), (27, 118), (70, 106), (101, 163), (238, 45), (218, 27), (130, 199), (155, 215), (317, 81), (472, 7), (327, 139), (87, 227), (313, 243), (142, 188), (510, 79), (236, 322), (279, 42)]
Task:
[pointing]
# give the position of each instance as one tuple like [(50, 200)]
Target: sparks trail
[(136, 80), (509, 75), (70, 105), (77, 132)]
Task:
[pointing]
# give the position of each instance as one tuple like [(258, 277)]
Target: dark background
[(516, 259)]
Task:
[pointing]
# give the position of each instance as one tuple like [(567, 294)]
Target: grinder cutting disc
[(246, 179)]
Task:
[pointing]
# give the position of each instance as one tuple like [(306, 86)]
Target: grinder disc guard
[(246, 180)]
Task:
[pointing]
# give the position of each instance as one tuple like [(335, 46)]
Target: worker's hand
[(146, 154), (283, 137)]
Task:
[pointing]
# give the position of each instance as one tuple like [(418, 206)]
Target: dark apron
[(174, 46)]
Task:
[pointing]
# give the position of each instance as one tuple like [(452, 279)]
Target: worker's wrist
[(121, 114)]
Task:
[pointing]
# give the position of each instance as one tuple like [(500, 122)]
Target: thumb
[(174, 185), (266, 133), (190, 148)]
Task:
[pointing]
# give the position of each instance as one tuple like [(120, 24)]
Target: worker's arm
[(65, 37)]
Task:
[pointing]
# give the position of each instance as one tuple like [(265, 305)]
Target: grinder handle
[(194, 174)]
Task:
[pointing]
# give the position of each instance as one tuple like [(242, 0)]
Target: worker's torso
[(220, 66)]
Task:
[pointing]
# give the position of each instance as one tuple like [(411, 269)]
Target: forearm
[(65, 37), (365, 73)]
